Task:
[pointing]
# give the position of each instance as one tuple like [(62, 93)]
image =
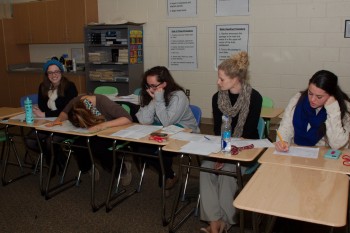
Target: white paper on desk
[(200, 148), (19, 117), (193, 137), (258, 143), (305, 152), (172, 129), (137, 131)]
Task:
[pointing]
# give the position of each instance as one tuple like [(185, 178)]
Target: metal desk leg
[(240, 187), (10, 144)]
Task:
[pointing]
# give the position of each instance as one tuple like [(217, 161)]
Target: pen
[(207, 138), (280, 137)]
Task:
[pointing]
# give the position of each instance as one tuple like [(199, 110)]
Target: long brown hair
[(163, 75), (82, 117)]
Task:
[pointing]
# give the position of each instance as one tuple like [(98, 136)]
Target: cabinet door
[(56, 21), (4, 87), (78, 80), (22, 23), (75, 20), (38, 23)]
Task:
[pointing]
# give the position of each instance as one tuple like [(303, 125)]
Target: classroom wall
[(289, 40)]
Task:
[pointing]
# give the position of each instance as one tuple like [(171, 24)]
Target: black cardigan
[(69, 93)]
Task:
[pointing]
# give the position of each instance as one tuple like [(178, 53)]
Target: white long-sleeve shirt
[(337, 135)]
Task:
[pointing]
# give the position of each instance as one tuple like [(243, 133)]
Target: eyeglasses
[(53, 72), (153, 86)]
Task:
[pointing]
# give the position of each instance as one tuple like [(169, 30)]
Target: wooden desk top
[(66, 128), (271, 112), (321, 163), (297, 193), (108, 134), (244, 156), (19, 122), (9, 112)]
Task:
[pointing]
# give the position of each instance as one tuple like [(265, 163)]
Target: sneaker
[(126, 177), (97, 174), (170, 183)]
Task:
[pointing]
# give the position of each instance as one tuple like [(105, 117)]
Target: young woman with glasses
[(164, 102), (54, 94)]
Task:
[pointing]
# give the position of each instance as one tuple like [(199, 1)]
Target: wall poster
[(182, 8), (182, 48), (230, 39)]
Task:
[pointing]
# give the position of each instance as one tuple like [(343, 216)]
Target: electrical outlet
[(187, 92)]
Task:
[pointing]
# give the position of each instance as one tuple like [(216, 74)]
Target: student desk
[(21, 123), (6, 112), (243, 156), (72, 131), (309, 195), (321, 163), (268, 114), (119, 149)]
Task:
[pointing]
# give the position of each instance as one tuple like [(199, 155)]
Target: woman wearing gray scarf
[(238, 100)]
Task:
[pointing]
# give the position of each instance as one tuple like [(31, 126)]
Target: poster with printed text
[(232, 7), (182, 8), (182, 48), (230, 39)]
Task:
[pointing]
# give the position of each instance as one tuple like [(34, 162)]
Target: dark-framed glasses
[(153, 86), (53, 72)]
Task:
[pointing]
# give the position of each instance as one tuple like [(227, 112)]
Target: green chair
[(267, 103), (106, 90), (126, 107)]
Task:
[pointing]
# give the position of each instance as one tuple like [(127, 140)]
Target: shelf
[(104, 47)]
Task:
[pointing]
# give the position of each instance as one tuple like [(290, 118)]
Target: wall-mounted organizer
[(114, 57)]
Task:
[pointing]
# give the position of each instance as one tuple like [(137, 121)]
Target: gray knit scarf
[(241, 107)]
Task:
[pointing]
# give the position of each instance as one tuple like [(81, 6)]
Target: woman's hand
[(37, 112), (98, 127), (282, 146), (218, 165), (330, 100), (150, 93)]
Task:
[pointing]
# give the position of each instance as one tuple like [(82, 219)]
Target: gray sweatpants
[(217, 193)]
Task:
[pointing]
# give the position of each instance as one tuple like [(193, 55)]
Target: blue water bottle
[(226, 135), (28, 107)]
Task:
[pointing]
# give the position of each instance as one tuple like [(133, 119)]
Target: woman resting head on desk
[(317, 116), (239, 101), (94, 112), (55, 91), (164, 102)]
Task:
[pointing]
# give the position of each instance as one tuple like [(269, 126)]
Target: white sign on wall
[(182, 48), (181, 8), (232, 7), (230, 39)]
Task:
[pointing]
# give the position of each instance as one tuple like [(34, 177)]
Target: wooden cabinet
[(53, 21), (4, 88), (30, 23), (21, 23)]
